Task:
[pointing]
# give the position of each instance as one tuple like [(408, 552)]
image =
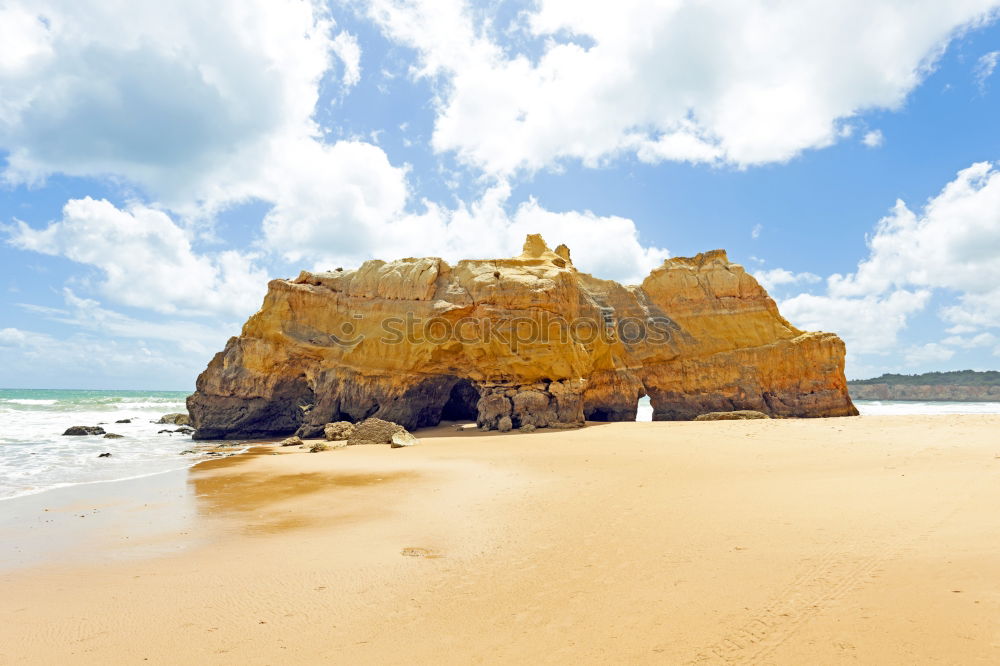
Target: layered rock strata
[(527, 341)]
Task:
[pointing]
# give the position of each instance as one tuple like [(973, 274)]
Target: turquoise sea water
[(35, 456)]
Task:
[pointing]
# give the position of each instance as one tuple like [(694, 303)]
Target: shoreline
[(867, 407), (781, 540)]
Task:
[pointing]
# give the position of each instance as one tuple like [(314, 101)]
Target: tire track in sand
[(836, 572)]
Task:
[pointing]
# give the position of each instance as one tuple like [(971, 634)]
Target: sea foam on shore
[(35, 456)]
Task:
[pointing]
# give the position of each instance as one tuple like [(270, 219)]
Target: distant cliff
[(958, 386), (528, 341)]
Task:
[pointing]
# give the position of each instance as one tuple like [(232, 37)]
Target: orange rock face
[(514, 342)]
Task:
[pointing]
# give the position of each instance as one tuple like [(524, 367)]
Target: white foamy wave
[(166, 405), (35, 456), (905, 407)]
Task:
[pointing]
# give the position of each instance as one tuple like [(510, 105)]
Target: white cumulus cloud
[(932, 352), (147, 260), (952, 244), (777, 277), (737, 81), (873, 139), (186, 99), (608, 246)]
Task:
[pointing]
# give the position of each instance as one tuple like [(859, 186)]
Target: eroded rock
[(292, 441), (738, 415), (403, 438), (175, 419), (529, 338), (339, 431), (374, 431)]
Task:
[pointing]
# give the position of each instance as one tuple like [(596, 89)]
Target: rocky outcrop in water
[(175, 419), (527, 341), (77, 431)]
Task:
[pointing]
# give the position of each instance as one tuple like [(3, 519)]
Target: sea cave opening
[(461, 404)]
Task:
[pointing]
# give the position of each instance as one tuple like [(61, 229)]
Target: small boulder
[(318, 446), (338, 431), (111, 435), (103, 455), (84, 430), (504, 424), (292, 441), (738, 415), (124, 421), (374, 431), (175, 419), (527, 427), (401, 439), (185, 430)]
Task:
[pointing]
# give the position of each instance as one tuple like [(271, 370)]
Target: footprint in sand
[(419, 552)]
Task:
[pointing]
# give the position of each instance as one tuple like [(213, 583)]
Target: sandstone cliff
[(925, 392), (522, 341)]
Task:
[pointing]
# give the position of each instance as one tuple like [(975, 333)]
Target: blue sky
[(157, 173)]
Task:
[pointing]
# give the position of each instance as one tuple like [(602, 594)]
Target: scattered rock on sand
[(374, 431), (738, 415), (112, 435), (338, 431), (404, 438), (84, 430), (124, 421), (292, 441), (176, 419), (104, 455), (318, 446), (527, 427)]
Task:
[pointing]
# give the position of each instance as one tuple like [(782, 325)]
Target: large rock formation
[(525, 341)]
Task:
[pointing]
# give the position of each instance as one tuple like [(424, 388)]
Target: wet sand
[(862, 540)]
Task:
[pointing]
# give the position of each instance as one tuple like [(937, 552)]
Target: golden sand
[(862, 540)]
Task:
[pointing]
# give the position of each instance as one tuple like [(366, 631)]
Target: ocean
[(35, 456)]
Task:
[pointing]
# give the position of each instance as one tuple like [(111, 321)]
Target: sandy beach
[(856, 540)]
